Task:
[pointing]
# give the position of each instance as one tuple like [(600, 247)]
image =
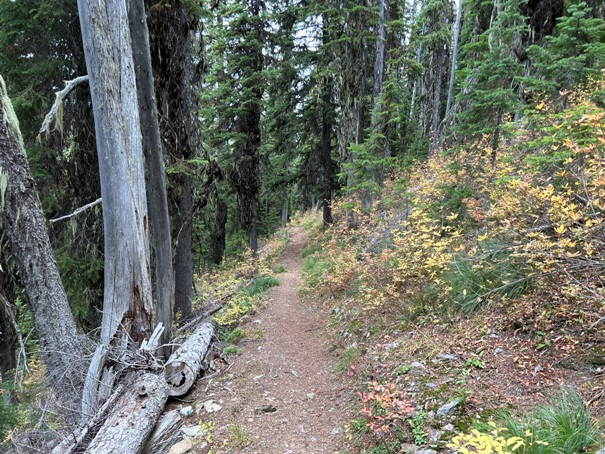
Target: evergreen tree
[(286, 62), (575, 51), (172, 27), (435, 36), (40, 47), (493, 73), (236, 79)]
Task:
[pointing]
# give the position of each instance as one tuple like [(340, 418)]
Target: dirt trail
[(281, 394)]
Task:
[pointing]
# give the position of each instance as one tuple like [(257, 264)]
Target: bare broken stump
[(184, 365)]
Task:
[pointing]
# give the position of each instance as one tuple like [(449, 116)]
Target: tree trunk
[(450, 91), (127, 298), (154, 160), (284, 213), (496, 138), (379, 60), (376, 121), (183, 261), (326, 149), (127, 302), (415, 86), (434, 136), (171, 26), (167, 432), (24, 224), (252, 228), (219, 233)]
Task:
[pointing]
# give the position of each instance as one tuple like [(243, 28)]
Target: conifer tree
[(172, 27), (64, 162), (575, 51), (493, 73), (236, 78)]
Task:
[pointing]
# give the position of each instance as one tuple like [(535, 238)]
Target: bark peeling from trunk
[(109, 61), (154, 160)]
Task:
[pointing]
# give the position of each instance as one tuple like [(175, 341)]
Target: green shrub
[(260, 284), (233, 336), (236, 244), (310, 250), (451, 201), (313, 270)]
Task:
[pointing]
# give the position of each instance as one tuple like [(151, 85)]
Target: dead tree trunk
[(126, 420), (127, 304), (166, 433), (154, 160), (378, 145), (455, 38), (25, 226), (434, 134)]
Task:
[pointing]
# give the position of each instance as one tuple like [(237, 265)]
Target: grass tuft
[(233, 336), (279, 268), (313, 271), (231, 350), (564, 423), (310, 250), (474, 282)]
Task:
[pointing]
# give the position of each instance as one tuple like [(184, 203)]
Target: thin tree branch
[(78, 211), (56, 109)]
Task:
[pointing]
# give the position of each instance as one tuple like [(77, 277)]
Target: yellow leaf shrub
[(491, 442), (536, 212)]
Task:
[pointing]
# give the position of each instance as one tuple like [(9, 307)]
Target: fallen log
[(131, 413), (167, 432), (127, 427), (74, 442), (185, 363)]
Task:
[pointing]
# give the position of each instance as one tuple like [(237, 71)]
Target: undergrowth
[(461, 234), (564, 425), (561, 425)]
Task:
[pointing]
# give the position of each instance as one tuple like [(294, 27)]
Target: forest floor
[(281, 393)]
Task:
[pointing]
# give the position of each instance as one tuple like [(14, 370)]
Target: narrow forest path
[(281, 394)]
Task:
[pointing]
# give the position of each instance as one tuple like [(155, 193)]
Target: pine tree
[(64, 163), (172, 27)]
